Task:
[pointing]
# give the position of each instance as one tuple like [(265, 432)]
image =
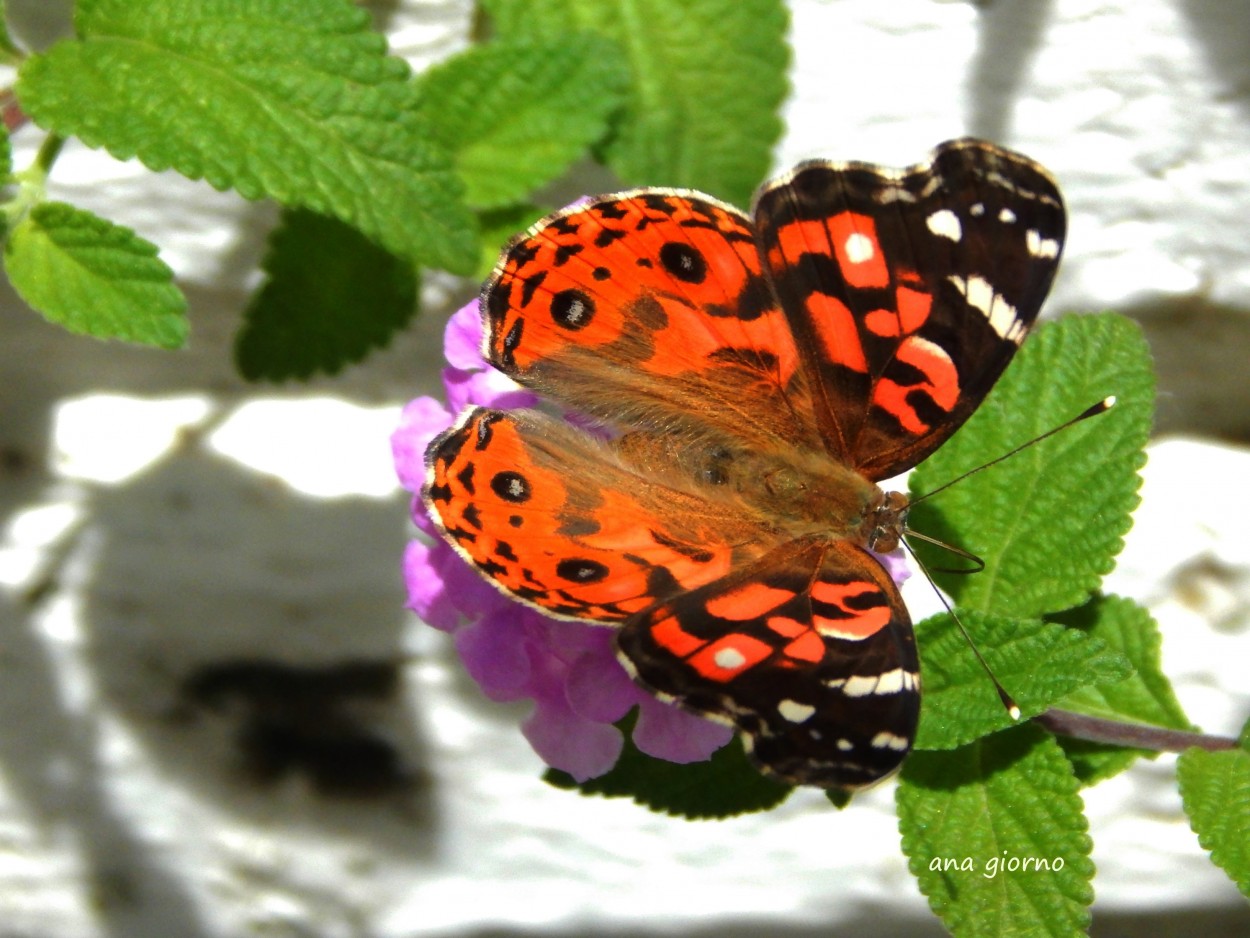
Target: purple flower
[(569, 669), (896, 565)]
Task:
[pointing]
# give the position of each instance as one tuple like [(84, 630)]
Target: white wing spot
[(858, 248), (1002, 316), (894, 194), (1006, 216), (845, 745), (891, 682), (884, 740), (795, 712), (730, 659), (860, 685), (977, 208), (945, 224), (1039, 246)]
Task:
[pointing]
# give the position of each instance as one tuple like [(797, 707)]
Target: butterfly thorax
[(808, 494)]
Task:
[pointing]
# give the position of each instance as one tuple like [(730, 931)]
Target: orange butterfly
[(764, 372)]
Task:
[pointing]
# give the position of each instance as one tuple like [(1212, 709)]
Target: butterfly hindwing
[(908, 292), (809, 652)]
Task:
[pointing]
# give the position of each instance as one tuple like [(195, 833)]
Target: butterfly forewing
[(549, 515), (649, 307), (908, 292)]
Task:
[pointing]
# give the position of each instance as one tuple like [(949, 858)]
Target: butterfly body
[(762, 374)]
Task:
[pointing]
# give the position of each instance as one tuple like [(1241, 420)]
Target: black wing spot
[(512, 340), (465, 477), (572, 309), (485, 431), (607, 236), (529, 285), (612, 210), (581, 570), (684, 262), (524, 253), (565, 251), (511, 487)]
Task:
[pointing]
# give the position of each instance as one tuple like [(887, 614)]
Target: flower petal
[(598, 688), (462, 339), (422, 420), (489, 388), (896, 565), (495, 656), (583, 748), (667, 733), (427, 593)]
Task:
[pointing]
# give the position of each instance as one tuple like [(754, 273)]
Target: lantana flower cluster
[(568, 669)]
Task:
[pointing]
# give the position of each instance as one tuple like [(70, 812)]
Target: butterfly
[(762, 373)]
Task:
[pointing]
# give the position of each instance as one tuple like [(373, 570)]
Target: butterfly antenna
[(1093, 411), (1009, 703), (977, 563)]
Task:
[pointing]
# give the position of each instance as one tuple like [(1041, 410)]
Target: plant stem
[(1133, 735), (48, 152)]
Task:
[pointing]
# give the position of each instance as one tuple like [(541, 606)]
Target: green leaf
[(723, 786), (839, 798), (94, 277), (708, 82), (1215, 790), (516, 114), (291, 99), (1145, 696), (501, 226), (1037, 662), (332, 294), (994, 833), (1048, 521)]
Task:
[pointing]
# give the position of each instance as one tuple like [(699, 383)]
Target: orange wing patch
[(650, 300), (548, 516)]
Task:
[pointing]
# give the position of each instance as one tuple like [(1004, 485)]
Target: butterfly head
[(886, 521)]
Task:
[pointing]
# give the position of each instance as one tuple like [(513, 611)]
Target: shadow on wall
[(247, 638), (1008, 38), (1201, 355), (253, 635)]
